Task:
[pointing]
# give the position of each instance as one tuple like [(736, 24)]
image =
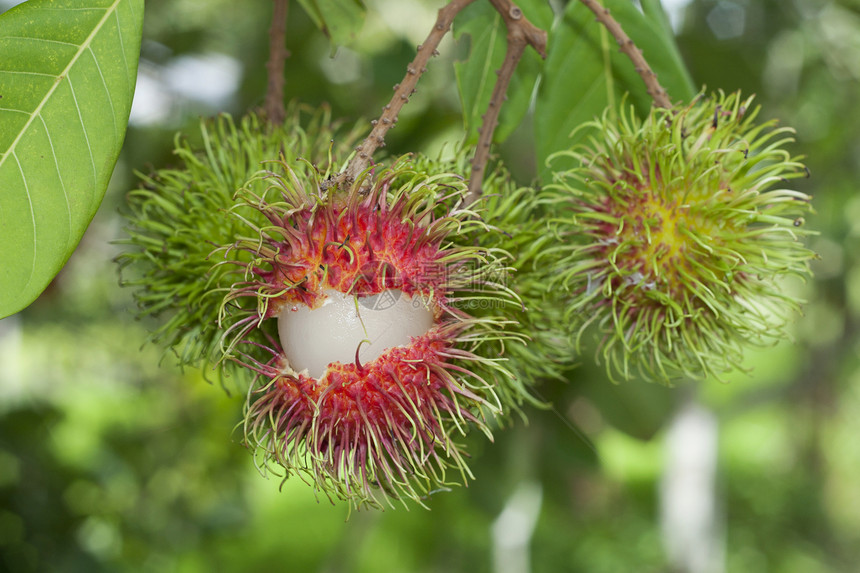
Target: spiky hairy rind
[(518, 215), (674, 232), (385, 429), (180, 215)]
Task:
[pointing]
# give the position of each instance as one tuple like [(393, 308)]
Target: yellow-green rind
[(674, 234)]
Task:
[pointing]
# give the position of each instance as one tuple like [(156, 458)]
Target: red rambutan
[(376, 362)]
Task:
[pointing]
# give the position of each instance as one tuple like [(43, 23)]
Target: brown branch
[(521, 33), (402, 92), (519, 26), (274, 104), (491, 120), (655, 90)]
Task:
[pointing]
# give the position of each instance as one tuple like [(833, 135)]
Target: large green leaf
[(67, 76), (476, 76), (639, 409), (585, 71)]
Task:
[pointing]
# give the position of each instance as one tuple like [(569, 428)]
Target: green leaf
[(476, 76), (340, 20), (637, 408), (67, 75), (585, 71)]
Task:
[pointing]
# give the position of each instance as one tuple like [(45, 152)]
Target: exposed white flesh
[(314, 338)]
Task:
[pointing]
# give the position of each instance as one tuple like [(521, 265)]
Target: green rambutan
[(180, 215), (517, 215), (673, 233)]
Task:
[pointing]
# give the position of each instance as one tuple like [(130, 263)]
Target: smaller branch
[(402, 92), (655, 90), (274, 104), (519, 25), (491, 120), (521, 33)]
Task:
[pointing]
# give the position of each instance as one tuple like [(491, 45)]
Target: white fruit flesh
[(314, 338)]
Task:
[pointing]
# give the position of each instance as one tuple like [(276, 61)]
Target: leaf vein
[(32, 220), (29, 73), (60, 177), (78, 9), (86, 135), (122, 43), (34, 39), (107, 93)]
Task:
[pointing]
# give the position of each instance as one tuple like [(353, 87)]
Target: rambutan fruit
[(673, 234), (347, 311), (517, 214), (353, 314), (181, 214)]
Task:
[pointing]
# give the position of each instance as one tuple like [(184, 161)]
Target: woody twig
[(278, 54), (521, 34), (655, 90), (402, 92)]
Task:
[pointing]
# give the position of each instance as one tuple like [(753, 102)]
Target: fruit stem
[(402, 92), (278, 54), (521, 33), (655, 90)]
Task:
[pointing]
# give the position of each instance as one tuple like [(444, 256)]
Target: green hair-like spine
[(292, 427), (517, 215), (673, 234), (180, 216)]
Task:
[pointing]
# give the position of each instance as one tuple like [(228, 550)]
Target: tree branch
[(274, 104), (655, 90), (518, 25), (402, 92), (521, 33)]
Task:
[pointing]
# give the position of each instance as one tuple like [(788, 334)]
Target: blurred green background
[(111, 459)]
